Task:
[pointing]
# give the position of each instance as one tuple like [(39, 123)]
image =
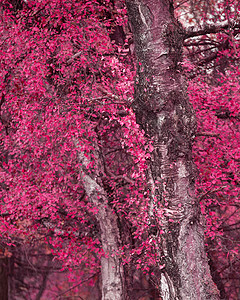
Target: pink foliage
[(63, 79)]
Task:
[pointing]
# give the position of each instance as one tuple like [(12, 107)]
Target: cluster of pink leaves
[(61, 81), (217, 156), (217, 144)]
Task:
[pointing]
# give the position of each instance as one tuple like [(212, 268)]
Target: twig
[(208, 134), (74, 56), (73, 287), (210, 192), (116, 177), (111, 95)]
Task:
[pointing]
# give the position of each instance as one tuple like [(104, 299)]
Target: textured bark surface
[(162, 109), (111, 268)]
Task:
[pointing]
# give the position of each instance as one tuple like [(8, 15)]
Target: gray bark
[(111, 268), (164, 112)]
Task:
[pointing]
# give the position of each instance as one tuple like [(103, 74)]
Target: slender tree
[(111, 267)]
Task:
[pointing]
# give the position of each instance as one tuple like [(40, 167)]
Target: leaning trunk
[(111, 267), (163, 110)]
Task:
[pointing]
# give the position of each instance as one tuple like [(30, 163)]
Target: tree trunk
[(3, 278), (163, 110), (111, 268)]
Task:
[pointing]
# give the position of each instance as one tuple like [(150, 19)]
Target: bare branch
[(190, 32), (76, 285)]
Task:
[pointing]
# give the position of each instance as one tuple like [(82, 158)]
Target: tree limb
[(190, 32)]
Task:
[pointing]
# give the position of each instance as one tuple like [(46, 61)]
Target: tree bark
[(111, 267), (164, 112), (3, 278)]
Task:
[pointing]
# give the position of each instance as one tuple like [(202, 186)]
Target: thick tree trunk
[(111, 268), (162, 109)]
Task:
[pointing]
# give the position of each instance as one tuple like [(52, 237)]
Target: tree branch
[(190, 32), (76, 285), (210, 192), (209, 134), (114, 97)]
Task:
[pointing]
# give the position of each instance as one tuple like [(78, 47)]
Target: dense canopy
[(77, 175)]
